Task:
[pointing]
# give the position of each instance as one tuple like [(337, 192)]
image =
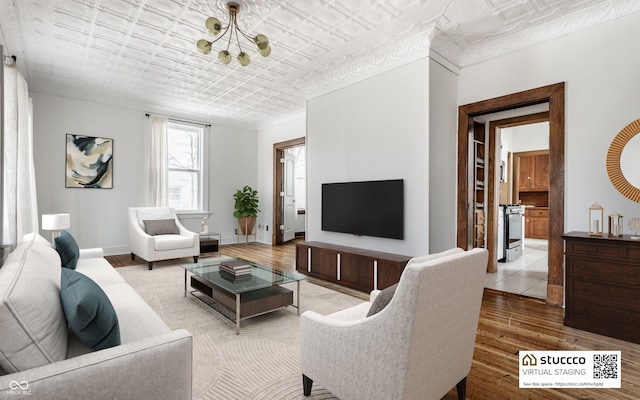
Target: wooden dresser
[(603, 285)]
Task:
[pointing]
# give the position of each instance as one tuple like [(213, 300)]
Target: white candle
[(595, 226)]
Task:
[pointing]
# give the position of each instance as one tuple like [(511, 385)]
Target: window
[(186, 167)]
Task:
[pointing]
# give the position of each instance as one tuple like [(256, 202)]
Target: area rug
[(260, 363)]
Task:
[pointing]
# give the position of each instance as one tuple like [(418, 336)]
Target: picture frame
[(89, 162)]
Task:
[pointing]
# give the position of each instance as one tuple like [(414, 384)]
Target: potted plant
[(246, 205)]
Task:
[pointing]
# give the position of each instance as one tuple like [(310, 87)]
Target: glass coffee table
[(248, 295)]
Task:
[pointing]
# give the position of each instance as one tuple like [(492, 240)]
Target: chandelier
[(214, 26)]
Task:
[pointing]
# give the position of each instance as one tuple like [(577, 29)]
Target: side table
[(210, 242)]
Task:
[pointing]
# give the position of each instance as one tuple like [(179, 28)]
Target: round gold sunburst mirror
[(623, 161)]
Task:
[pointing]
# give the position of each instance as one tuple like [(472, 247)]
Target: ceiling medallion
[(214, 26)]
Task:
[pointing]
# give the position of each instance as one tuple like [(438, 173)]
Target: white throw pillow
[(33, 328)]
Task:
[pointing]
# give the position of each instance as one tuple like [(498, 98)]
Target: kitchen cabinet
[(533, 171), (536, 222)]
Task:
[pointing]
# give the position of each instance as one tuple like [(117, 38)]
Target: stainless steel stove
[(510, 231)]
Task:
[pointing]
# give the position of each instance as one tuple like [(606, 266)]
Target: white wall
[(443, 164), (267, 137), (99, 216), (374, 129), (524, 138), (601, 98), (232, 164)]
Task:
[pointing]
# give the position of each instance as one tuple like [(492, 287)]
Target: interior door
[(289, 201)]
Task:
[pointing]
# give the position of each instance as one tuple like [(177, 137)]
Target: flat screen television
[(367, 208)]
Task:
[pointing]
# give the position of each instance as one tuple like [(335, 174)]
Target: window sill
[(193, 214)]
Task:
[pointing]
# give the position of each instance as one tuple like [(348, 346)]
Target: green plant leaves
[(246, 202)]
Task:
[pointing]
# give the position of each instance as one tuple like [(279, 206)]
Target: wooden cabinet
[(533, 172), (536, 222), (603, 285), (479, 183), (359, 269)]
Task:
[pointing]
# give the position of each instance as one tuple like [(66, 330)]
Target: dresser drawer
[(616, 296), (633, 253), (589, 248), (600, 314), (603, 271)]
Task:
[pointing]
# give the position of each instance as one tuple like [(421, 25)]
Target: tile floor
[(526, 275)]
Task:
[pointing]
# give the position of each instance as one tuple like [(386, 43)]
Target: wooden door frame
[(278, 180), (554, 96)]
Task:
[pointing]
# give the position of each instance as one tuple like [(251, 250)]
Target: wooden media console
[(359, 269)]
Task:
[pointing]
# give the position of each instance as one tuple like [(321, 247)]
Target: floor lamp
[(55, 223)]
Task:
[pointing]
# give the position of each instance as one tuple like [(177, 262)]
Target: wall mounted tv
[(369, 208)]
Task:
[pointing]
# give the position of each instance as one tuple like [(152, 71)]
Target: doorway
[(288, 208), (522, 162), (554, 96)]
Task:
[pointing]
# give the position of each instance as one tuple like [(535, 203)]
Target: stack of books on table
[(235, 269)]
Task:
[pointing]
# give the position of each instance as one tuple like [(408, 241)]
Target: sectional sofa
[(42, 357)]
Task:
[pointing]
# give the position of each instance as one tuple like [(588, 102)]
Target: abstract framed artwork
[(89, 162)]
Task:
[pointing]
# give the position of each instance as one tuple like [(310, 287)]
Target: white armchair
[(417, 347), (179, 242)]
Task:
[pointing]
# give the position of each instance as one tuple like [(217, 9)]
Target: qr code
[(605, 366)]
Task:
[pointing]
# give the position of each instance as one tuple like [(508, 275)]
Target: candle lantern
[(596, 220), (615, 225)]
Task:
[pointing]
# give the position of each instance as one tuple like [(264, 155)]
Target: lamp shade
[(56, 222)]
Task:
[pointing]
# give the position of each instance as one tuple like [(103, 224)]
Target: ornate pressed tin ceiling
[(142, 54)]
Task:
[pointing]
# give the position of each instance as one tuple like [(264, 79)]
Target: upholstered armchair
[(155, 233), (419, 346)]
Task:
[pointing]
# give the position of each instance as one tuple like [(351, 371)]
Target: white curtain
[(156, 166), (20, 210)]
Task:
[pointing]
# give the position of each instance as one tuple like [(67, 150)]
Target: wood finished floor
[(507, 325)]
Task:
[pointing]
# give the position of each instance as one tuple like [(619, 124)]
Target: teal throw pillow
[(68, 249), (89, 312)]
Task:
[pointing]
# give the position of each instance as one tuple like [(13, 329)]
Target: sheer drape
[(20, 210), (156, 165)]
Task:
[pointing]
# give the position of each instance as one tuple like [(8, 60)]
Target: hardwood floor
[(507, 325)]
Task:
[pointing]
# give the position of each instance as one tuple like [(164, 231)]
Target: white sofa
[(417, 347), (163, 246), (152, 360)]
